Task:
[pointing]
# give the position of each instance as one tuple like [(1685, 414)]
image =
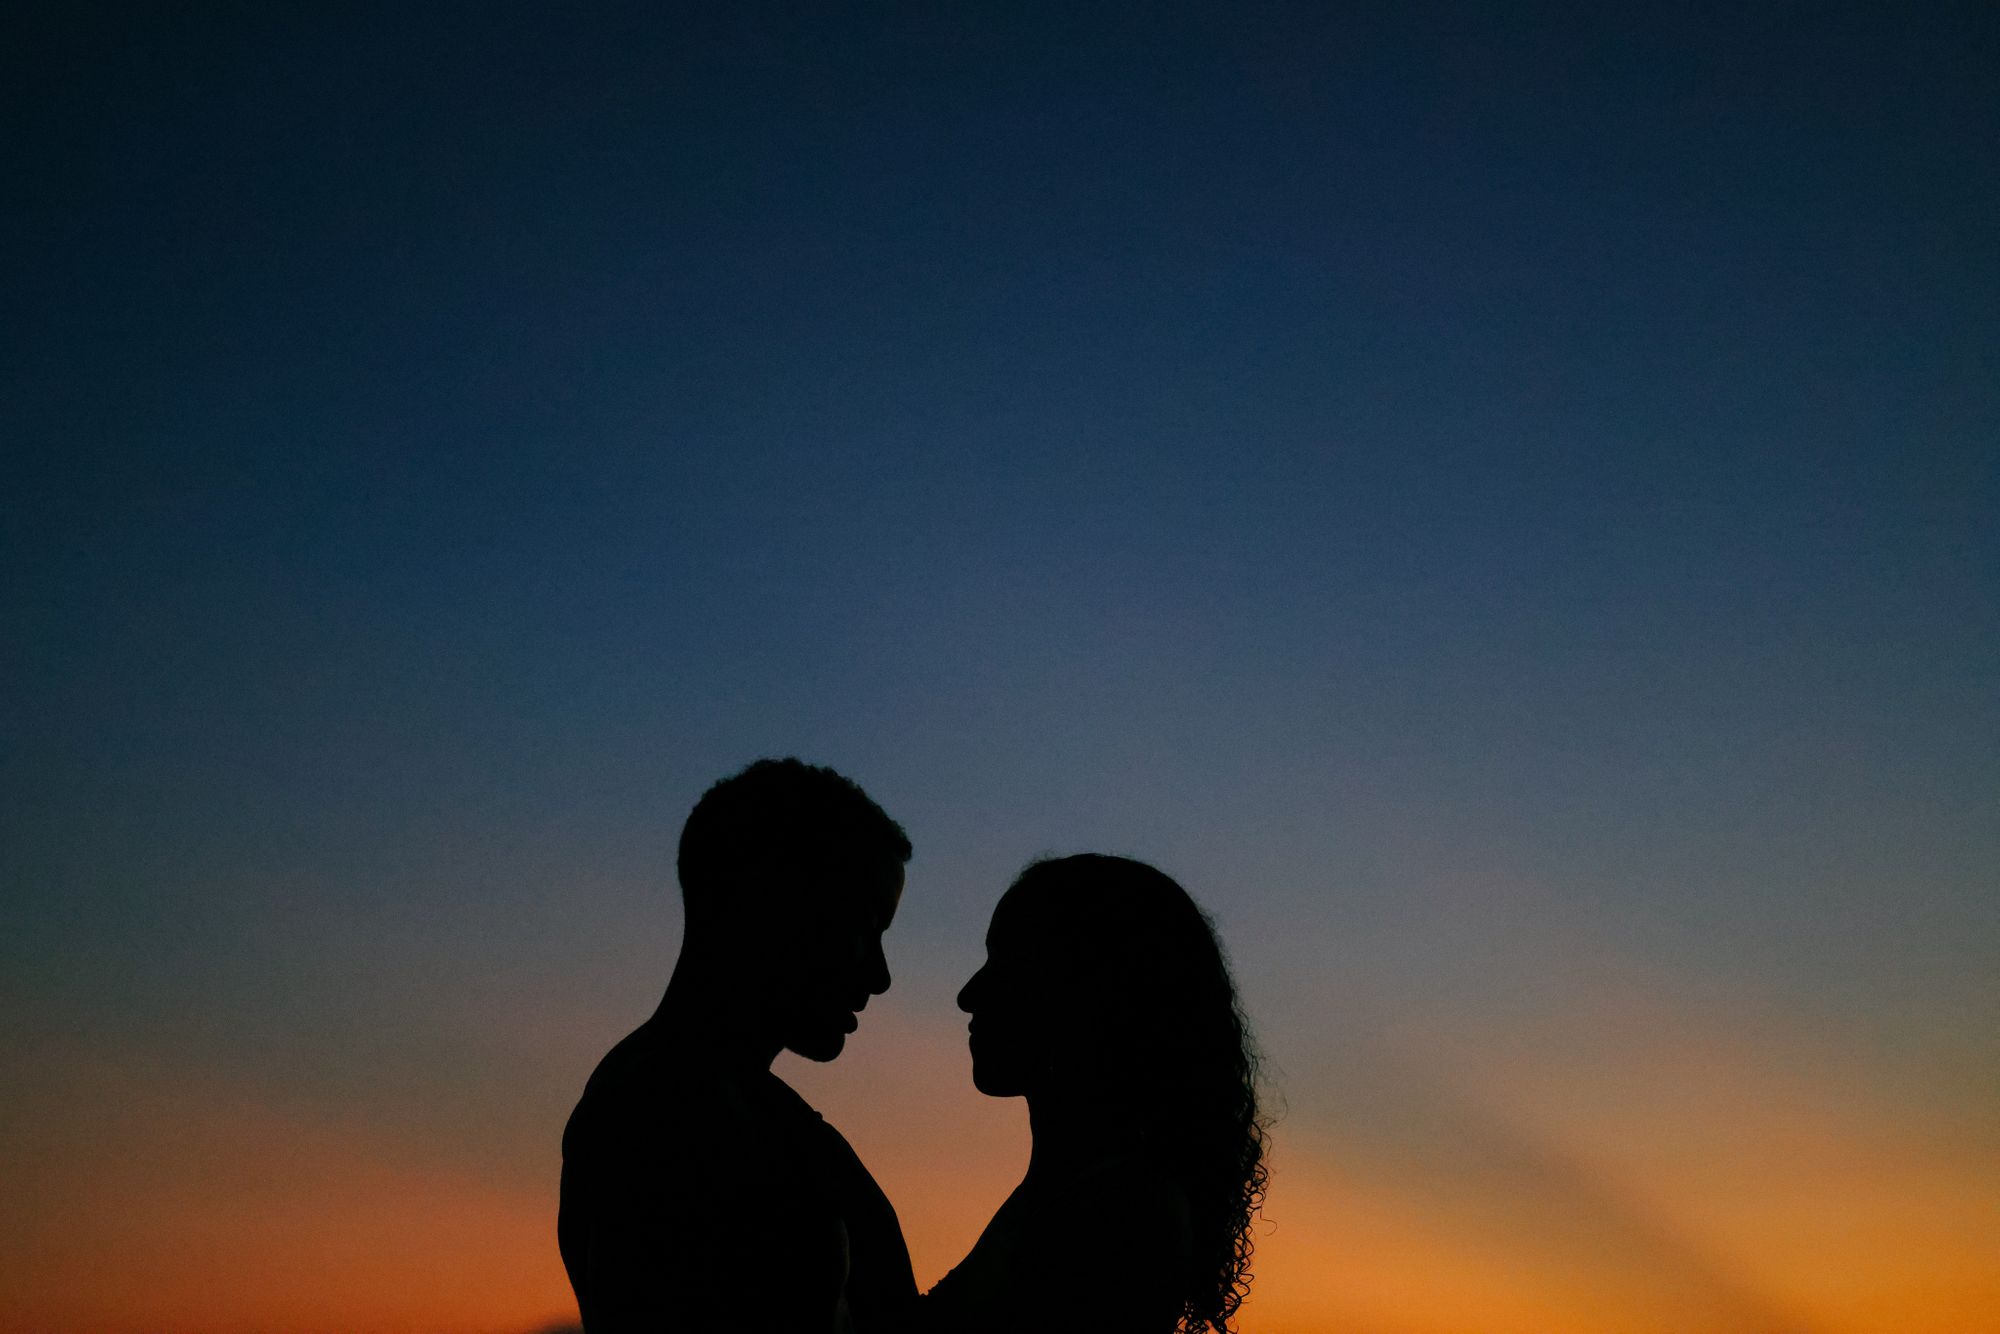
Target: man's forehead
[(875, 890)]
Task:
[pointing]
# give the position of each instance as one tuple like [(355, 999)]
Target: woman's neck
[(1072, 1135)]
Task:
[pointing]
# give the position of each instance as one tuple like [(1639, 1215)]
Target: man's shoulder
[(648, 1094)]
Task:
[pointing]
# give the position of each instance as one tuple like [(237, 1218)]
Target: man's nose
[(878, 970)]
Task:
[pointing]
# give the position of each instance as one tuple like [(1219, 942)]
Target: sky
[(1497, 500)]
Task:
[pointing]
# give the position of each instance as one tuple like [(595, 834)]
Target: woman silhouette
[(1106, 1002)]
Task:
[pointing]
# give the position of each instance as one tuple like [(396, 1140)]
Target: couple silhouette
[(699, 1192)]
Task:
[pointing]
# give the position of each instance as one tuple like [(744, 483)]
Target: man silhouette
[(699, 1192)]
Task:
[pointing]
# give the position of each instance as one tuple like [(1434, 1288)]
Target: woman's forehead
[(1023, 909)]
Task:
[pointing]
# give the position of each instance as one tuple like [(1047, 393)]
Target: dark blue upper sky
[(443, 438)]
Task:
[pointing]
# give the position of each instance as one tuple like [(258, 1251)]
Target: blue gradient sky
[(1500, 505)]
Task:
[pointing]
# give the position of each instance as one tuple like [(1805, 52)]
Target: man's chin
[(994, 1085), (822, 1046)]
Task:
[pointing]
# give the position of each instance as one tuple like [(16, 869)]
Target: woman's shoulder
[(1133, 1204), (1100, 1248), (1130, 1219)]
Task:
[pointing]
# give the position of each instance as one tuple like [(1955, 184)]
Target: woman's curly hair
[(1180, 1060)]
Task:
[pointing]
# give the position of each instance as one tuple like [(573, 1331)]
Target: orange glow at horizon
[(157, 1203), (1555, 1185)]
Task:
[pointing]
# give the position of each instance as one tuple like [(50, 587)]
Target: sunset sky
[(1498, 500)]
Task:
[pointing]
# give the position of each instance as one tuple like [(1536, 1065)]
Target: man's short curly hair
[(773, 831)]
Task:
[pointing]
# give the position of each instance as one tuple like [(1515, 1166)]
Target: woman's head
[(1093, 963), (1105, 988)]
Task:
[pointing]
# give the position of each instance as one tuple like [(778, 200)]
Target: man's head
[(790, 875)]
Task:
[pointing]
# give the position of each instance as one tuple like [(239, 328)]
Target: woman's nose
[(968, 994)]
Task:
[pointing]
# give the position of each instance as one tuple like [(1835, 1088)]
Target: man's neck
[(698, 1012)]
